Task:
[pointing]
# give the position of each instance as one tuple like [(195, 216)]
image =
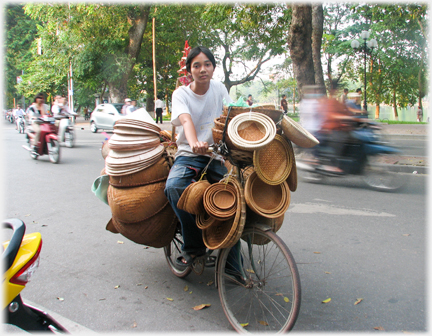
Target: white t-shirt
[(159, 104), (310, 118), (203, 109)]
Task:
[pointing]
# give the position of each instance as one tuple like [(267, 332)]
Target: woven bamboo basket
[(131, 205), (297, 133), (220, 122), (226, 234), (292, 178), (273, 163), (155, 173), (156, 231), (191, 200), (220, 201), (267, 200), (217, 137), (204, 220), (105, 149), (275, 115)]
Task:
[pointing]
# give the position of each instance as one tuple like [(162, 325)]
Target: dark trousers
[(159, 115)]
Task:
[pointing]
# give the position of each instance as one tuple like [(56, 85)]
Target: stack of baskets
[(252, 137), (137, 174)]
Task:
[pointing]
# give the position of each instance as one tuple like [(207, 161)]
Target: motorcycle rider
[(17, 113), (336, 125), (38, 109)]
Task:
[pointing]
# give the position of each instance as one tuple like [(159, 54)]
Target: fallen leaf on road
[(139, 284), (201, 306), (134, 325), (244, 324), (264, 323), (186, 288), (102, 299), (190, 292), (279, 294), (327, 272), (317, 252), (118, 286), (60, 299), (406, 234), (119, 242), (326, 300), (169, 299), (379, 328), (250, 271), (34, 222), (286, 299), (209, 283), (358, 301), (27, 215), (145, 287)]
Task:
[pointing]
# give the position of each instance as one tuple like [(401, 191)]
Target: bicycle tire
[(172, 252), (267, 295)]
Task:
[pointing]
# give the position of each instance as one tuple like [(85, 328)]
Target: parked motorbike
[(21, 124), (48, 140), (365, 154), (21, 258), (66, 133)]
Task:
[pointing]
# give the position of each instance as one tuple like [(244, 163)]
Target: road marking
[(333, 210)]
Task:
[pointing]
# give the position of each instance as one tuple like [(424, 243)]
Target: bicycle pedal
[(210, 261)]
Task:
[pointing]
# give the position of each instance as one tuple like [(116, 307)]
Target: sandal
[(186, 259)]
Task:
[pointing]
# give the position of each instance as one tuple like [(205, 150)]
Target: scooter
[(21, 255), (66, 133), (364, 154), (21, 124), (48, 140)]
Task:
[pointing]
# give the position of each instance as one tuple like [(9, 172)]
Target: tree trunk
[(317, 33), (377, 111), (300, 45), (137, 18), (395, 105)]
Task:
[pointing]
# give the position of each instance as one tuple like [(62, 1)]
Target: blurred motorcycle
[(66, 132), (21, 255), (365, 155)]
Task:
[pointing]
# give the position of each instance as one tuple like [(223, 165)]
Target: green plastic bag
[(100, 188), (241, 103)]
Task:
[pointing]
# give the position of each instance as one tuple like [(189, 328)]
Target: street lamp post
[(367, 48)]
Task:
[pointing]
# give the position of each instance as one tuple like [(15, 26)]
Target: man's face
[(202, 69)]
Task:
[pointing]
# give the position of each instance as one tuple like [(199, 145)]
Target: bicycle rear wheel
[(262, 295), (172, 252)]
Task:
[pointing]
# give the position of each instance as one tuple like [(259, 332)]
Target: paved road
[(349, 242)]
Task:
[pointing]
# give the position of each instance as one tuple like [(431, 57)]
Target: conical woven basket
[(267, 200), (191, 200), (156, 173), (297, 133), (273, 163), (105, 149), (131, 205), (156, 231), (226, 234)]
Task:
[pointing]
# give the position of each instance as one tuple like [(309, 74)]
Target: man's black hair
[(195, 52), (358, 90), (39, 95), (283, 95)]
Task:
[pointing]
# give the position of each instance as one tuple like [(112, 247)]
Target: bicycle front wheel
[(261, 293)]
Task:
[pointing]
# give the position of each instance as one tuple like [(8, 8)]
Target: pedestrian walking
[(159, 106), (419, 114), (284, 104)]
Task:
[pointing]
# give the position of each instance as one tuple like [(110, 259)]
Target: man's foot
[(186, 259)]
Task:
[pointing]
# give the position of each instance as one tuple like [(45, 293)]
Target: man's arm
[(198, 147)]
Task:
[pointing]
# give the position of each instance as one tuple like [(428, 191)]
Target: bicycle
[(260, 295)]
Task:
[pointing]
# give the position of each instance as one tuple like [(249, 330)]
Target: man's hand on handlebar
[(200, 147)]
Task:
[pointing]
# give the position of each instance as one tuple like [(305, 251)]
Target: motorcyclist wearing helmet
[(38, 109)]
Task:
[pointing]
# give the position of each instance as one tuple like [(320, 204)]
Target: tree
[(243, 34), (300, 44)]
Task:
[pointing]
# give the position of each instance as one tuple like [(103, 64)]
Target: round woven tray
[(204, 220), (273, 163), (292, 178), (226, 234), (267, 200), (220, 201)]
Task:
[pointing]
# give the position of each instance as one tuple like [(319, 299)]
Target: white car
[(104, 116)]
